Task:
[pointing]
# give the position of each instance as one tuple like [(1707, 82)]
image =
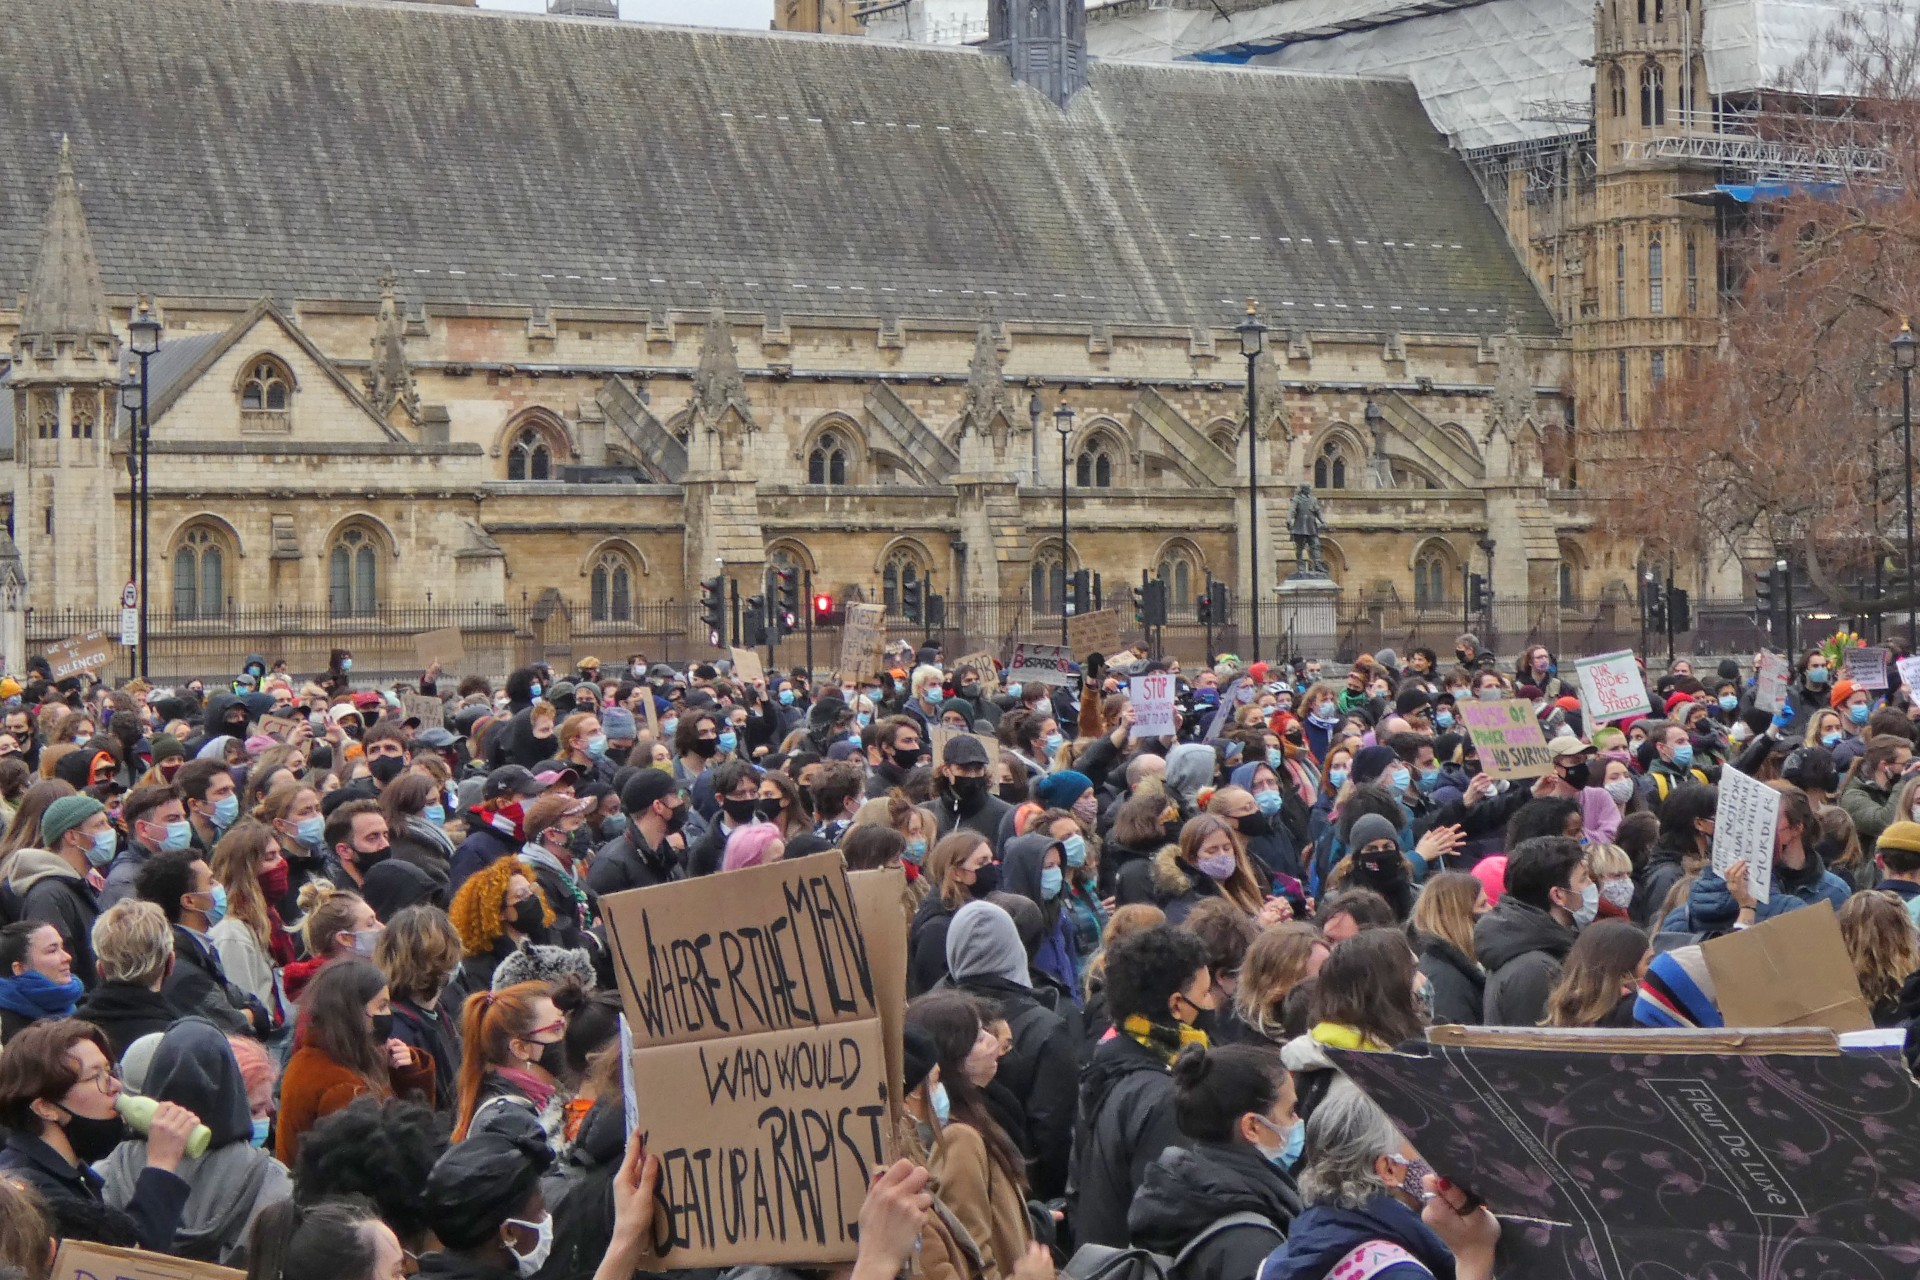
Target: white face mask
[(528, 1263), (1621, 789)]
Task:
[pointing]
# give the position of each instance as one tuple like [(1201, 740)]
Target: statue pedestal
[(1309, 620)]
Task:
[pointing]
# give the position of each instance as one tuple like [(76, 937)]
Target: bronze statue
[(1306, 524)]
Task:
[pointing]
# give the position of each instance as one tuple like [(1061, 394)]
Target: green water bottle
[(138, 1113)]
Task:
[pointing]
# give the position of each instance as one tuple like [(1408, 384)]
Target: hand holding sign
[(633, 1199)]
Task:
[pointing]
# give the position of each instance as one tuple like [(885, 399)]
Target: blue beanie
[(1060, 790)]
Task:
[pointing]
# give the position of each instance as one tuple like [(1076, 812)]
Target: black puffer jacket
[(1522, 948), (1459, 985), (1126, 1121), (1187, 1189)]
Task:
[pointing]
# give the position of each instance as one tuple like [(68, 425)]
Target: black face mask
[(969, 691), (677, 819), (1381, 870), (706, 748), (1170, 831), (553, 1058), (968, 791), (94, 1140), (905, 758), (739, 812), (1578, 776), (382, 1028), (386, 768), (986, 880), (768, 810), (1011, 793), (527, 916), (1254, 824)]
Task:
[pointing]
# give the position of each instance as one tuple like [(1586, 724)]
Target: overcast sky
[(700, 13)]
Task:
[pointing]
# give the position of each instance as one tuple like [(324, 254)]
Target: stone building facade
[(434, 337)]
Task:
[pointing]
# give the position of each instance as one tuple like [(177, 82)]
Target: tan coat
[(990, 1207)]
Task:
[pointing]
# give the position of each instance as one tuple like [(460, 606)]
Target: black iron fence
[(396, 641)]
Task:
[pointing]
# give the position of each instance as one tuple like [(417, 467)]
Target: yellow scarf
[(1165, 1040), (1339, 1036)]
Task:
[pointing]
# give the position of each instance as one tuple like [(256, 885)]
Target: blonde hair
[(1607, 860), (1275, 964), (132, 942), (1881, 941), (418, 951), (1135, 917), (325, 911), (1444, 909)]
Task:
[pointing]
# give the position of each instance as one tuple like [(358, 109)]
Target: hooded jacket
[(125, 1012), (1325, 1234), (1126, 1121), (1522, 948), (1459, 984), (1187, 1189), (927, 943), (1178, 886), (1020, 872), (1190, 766), (1666, 867), (214, 722), (1710, 907), (233, 1181), (51, 891)]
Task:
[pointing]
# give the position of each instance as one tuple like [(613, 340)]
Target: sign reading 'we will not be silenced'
[(758, 1059)]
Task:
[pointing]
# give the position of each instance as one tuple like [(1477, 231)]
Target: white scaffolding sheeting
[(1758, 44)]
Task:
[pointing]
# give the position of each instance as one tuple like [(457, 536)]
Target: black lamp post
[(1034, 409), (1063, 423), (132, 401), (1903, 360), (1253, 340), (144, 335)]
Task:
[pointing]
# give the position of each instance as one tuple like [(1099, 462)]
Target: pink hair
[(747, 847), (1492, 875)]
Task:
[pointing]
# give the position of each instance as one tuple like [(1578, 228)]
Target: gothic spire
[(717, 383), (66, 299), (987, 395), (389, 379)]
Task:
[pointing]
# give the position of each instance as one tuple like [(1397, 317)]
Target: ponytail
[(320, 1242), (489, 1022)]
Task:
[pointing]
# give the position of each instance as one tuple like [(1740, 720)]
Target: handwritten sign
[(1611, 686), (943, 735), (1743, 829), (1096, 632), (1507, 736), (746, 664), (1909, 674), (1041, 664), (1770, 675), (445, 646), (863, 643), (981, 664), (1867, 668), (82, 655), (1152, 699), (80, 1260), (758, 1056), (431, 712), (279, 728)]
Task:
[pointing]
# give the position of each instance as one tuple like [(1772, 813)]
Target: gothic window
[(827, 464), (81, 408), (1617, 91), (1430, 575), (1569, 584), (1178, 570), (1656, 279), (1657, 367), (903, 567), (1653, 95), (1049, 582), (46, 416), (1620, 278), (268, 388), (1330, 468), (612, 588), (1094, 470), (1620, 358), (531, 456), (353, 575), (1643, 12), (199, 575), (1693, 276)]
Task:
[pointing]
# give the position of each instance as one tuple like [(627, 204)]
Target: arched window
[(81, 406), (611, 595), (1049, 582), (1330, 468), (1656, 279), (353, 575), (268, 387), (1569, 586), (902, 568), (1177, 570), (1653, 95), (1094, 470), (1617, 91), (827, 464), (1430, 576), (199, 575), (530, 457)]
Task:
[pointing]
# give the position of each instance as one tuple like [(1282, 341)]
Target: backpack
[(1104, 1262)]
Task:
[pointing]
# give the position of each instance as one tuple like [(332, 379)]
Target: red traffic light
[(823, 604)]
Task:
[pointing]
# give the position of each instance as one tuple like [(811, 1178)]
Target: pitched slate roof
[(301, 148)]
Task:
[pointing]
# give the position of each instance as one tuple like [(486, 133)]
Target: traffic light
[(1479, 593), (713, 609), (1216, 606), (786, 592), (936, 610), (753, 622), (1082, 596), (910, 600), (1654, 602), (1763, 603), (822, 609), (1140, 606), (1156, 603), (1679, 610)]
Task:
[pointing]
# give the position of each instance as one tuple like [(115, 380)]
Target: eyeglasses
[(560, 1025), (99, 1079)]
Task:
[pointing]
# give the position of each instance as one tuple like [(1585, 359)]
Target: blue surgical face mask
[(260, 1126), (1400, 779), (1055, 741), (613, 826), (916, 851), (863, 719), (179, 836), (729, 740), (218, 911), (1729, 703), (667, 727), (533, 690), (1818, 675), (1442, 719), (311, 831), (101, 851), (435, 813), (346, 664), (1338, 777), (1275, 758), (1052, 880), (1683, 756), (1857, 713), (1270, 802), (1075, 849), (225, 812), (1830, 739), (597, 745), (942, 1108), (1429, 779), (1013, 690), (786, 697), (1296, 1144)]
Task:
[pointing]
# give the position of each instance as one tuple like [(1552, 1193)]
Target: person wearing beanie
[(1389, 661), (1375, 861), (392, 886), (50, 883), (167, 755), (1898, 856), (483, 1204), (622, 731)]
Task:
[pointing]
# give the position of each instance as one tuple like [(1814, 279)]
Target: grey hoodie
[(1190, 766), (982, 940), (228, 1186)]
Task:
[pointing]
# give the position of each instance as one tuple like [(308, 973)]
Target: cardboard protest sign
[(1909, 673), (746, 664), (863, 643), (1626, 1162), (1611, 687), (1152, 699), (81, 655), (431, 712), (1790, 971), (1041, 664), (444, 646), (1743, 829), (80, 1260), (1507, 736), (1095, 632), (758, 1058), (652, 713), (982, 663), (1770, 677), (941, 736), (880, 898), (1867, 668)]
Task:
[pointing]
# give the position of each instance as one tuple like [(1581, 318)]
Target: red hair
[(489, 1023)]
